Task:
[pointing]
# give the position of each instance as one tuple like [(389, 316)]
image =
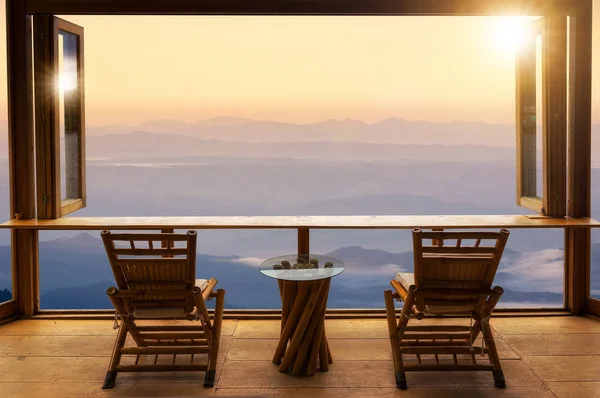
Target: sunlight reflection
[(509, 34)]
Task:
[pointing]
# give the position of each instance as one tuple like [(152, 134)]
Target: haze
[(298, 69)]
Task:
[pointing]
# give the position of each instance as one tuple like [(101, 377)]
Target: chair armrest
[(399, 289), (210, 286)]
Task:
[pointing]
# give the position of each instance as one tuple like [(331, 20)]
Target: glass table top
[(302, 267)]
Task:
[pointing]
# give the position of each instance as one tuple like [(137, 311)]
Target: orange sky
[(298, 69)]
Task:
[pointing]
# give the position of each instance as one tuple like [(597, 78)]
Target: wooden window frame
[(553, 203), (47, 118), (21, 116)]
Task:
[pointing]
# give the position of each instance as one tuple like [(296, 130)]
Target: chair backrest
[(153, 261), (456, 260)]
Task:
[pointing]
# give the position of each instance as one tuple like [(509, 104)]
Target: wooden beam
[(46, 116), (301, 7), (296, 222), (554, 113), (303, 241), (593, 305), (8, 310), (578, 243), (21, 149), (534, 204)]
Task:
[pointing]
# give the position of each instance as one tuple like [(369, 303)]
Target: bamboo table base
[(302, 342)]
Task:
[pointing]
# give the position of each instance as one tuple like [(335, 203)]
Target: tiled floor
[(542, 357)]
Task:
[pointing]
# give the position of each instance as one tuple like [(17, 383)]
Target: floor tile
[(555, 344), (575, 389), (565, 368), (550, 324)]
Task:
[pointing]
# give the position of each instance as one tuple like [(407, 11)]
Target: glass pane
[(529, 80), (5, 265), (69, 112), (6, 276), (74, 271), (595, 259), (531, 271)]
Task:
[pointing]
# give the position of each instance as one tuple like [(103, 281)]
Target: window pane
[(74, 271), (6, 277), (530, 116), (69, 116), (595, 262), (5, 264)]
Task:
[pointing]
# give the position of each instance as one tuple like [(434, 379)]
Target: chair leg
[(401, 380), (109, 380), (494, 357), (209, 378), (111, 374), (395, 341), (499, 378)]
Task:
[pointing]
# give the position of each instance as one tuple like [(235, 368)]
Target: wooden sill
[(311, 222), (349, 313)]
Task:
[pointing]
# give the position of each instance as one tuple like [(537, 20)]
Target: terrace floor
[(552, 356)]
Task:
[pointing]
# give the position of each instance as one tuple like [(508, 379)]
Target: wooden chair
[(157, 284), (448, 280)]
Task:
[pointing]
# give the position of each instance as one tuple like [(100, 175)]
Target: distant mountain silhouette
[(84, 242), (391, 130), (5, 295), (143, 144)]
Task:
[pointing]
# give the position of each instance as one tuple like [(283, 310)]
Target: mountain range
[(230, 166), (74, 274)]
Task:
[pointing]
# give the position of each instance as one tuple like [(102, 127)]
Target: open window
[(59, 116), (541, 91)]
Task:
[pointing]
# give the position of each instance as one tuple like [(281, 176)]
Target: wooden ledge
[(294, 222)]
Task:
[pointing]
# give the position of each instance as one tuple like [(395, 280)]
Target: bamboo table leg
[(302, 343)]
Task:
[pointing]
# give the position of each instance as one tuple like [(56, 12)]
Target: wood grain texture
[(8, 309), (578, 243), (21, 140), (303, 344), (554, 115), (303, 241), (294, 222), (363, 360), (47, 145)]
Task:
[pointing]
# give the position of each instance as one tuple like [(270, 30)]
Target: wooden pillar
[(21, 155), (554, 114), (577, 241), (303, 241)]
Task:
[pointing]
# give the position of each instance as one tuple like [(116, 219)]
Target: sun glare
[(510, 33), (67, 82)]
